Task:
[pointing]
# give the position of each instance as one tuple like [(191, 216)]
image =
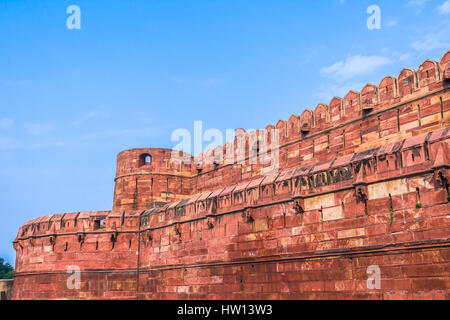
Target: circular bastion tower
[(150, 177)]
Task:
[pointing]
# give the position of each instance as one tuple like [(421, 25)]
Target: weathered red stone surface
[(363, 181)]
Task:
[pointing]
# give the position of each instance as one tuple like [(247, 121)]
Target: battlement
[(361, 181), (391, 93), (414, 103), (391, 164), (148, 176)]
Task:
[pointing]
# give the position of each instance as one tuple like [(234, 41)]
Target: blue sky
[(70, 100)]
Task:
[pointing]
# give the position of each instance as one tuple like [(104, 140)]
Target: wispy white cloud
[(343, 73), (38, 129), (401, 56), (391, 23), (355, 66), (6, 123), (432, 41), (84, 118), (444, 8), (417, 5), (310, 55)]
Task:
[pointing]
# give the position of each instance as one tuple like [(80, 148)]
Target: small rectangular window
[(99, 224)]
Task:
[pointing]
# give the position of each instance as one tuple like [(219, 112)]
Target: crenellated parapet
[(102, 239), (400, 105), (418, 155), (395, 109)]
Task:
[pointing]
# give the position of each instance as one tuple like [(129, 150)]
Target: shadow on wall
[(6, 287)]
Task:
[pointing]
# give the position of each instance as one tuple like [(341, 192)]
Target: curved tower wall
[(148, 175)]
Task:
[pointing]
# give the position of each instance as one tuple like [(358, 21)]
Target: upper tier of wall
[(391, 92), (152, 160), (149, 175), (398, 108)]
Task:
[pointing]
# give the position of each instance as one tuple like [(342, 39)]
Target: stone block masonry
[(362, 181), (6, 287)]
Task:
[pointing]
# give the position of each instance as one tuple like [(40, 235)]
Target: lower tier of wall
[(6, 288), (400, 271)]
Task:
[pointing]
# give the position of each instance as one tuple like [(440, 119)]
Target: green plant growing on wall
[(448, 198), (418, 205), (391, 214), (6, 270)]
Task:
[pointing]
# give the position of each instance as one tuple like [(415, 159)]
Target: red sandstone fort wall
[(138, 184), (398, 108), (355, 188)]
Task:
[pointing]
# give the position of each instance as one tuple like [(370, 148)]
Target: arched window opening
[(145, 159)]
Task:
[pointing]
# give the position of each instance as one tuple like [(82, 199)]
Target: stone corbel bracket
[(299, 205), (17, 245), (177, 229), (248, 216), (114, 236), (147, 235), (81, 236), (361, 193)]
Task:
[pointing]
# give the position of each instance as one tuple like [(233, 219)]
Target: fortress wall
[(407, 274), (139, 184), (275, 233), (420, 274), (94, 285), (416, 183), (6, 286), (281, 254), (362, 181), (86, 239), (396, 108), (76, 240), (377, 129), (287, 227)]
